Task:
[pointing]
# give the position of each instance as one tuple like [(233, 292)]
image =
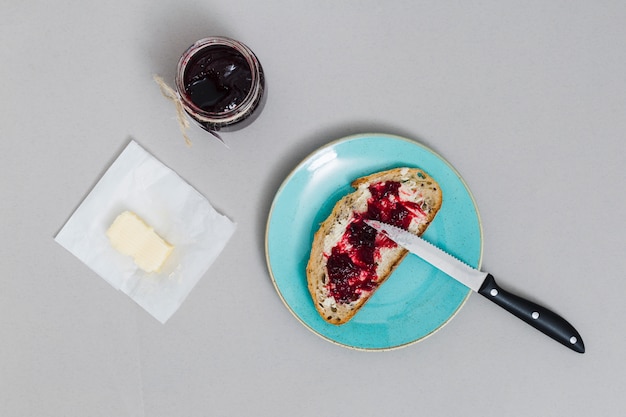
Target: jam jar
[(221, 84)]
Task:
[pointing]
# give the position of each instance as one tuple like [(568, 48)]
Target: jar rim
[(243, 109)]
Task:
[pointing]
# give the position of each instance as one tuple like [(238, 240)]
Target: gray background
[(526, 99)]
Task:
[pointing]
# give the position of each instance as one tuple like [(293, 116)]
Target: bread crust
[(417, 187)]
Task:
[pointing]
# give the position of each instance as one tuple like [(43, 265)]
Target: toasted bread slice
[(349, 260)]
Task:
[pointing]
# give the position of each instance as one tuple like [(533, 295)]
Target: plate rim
[(296, 169)]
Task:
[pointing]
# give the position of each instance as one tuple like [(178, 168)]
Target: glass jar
[(220, 83)]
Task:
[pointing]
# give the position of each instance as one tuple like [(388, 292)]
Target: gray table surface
[(526, 99)]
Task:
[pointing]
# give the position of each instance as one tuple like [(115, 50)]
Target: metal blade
[(465, 274)]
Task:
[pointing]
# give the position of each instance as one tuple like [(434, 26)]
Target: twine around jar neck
[(181, 116), (169, 93)]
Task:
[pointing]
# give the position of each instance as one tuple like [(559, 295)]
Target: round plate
[(417, 299)]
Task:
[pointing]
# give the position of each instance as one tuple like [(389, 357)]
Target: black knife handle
[(542, 319)]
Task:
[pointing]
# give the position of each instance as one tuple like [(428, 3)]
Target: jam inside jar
[(220, 83)]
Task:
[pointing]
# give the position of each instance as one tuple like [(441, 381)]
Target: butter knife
[(541, 318)]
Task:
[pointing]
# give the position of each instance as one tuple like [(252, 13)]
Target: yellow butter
[(131, 236)]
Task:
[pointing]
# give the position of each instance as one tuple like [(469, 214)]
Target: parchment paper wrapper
[(138, 182)]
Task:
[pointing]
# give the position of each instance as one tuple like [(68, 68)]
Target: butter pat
[(131, 236)]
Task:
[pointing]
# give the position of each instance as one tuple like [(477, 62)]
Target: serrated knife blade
[(541, 318)]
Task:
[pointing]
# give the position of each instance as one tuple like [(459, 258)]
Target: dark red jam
[(352, 262), (217, 79)]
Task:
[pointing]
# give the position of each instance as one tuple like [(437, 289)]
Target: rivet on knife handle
[(542, 319)]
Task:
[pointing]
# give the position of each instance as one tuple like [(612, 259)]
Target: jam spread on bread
[(352, 262), (349, 261)]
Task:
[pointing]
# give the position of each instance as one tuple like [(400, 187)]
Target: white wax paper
[(138, 182)]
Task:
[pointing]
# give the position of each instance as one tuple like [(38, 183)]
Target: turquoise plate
[(417, 299)]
